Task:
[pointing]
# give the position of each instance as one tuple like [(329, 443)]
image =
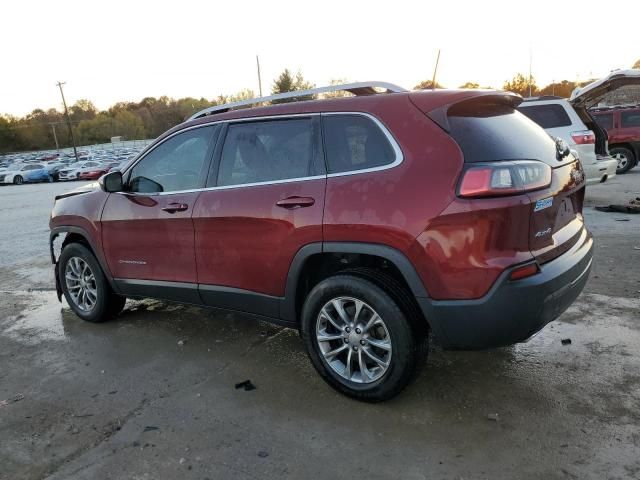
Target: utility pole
[(259, 79), (530, 61), (435, 70), (66, 112), (55, 137)]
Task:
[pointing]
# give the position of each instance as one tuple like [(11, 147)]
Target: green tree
[(287, 82), (83, 109), (520, 84), (470, 85), (427, 85), (559, 89)]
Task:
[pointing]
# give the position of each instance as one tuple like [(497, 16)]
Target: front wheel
[(358, 338), (84, 285), (18, 180), (625, 159)]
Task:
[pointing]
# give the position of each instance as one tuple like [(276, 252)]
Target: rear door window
[(605, 120), (547, 116), (630, 119), (355, 142), (268, 151)]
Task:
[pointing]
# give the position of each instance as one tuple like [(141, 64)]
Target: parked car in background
[(561, 120), (92, 173), (73, 171), (53, 168), (367, 222), (622, 124), (26, 173)]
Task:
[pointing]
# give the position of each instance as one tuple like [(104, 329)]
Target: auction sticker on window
[(544, 203)]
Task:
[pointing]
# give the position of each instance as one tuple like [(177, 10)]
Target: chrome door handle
[(295, 202), (175, 207)]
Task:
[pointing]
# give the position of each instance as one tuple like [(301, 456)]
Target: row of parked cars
[(53, 167)]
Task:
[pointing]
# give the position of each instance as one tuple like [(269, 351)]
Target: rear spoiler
[(469, 100)]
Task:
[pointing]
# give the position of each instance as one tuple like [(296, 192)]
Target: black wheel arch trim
[(399, 259), (56, 231)]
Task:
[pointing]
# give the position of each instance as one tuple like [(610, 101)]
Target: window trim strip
[(390, 138)]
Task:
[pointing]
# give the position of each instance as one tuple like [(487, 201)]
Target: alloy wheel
[(354, 340), (622, 160), (81, 284)]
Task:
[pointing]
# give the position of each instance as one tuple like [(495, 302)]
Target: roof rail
[(358, 88)]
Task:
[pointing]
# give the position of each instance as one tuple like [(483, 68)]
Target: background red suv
[(366, 222), (622, 125)]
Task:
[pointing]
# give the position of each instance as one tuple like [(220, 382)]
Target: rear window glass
[(490, 132), (604, 120), (630, 119), (547, 116), (355, 142)]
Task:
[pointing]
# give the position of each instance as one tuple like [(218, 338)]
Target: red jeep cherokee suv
[(366, 222)]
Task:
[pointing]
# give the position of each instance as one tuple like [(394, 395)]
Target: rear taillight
[(583, 137), (504, 178), (524, 271)]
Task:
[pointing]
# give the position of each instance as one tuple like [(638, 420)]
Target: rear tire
[(85, 287), (18, 180), (624, 156), (381, 355)]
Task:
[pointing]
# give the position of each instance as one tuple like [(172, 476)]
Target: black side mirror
[(111, 182)]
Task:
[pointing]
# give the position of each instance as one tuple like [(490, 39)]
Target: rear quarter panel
[(394, 206)]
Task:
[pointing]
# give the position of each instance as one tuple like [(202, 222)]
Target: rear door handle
[(295, 202), (175, 207)]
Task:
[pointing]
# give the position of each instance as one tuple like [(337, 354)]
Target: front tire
[(359, 339), (18, 180), (625, 158), (85, 287)]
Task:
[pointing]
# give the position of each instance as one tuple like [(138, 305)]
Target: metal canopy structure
[(358, 88)]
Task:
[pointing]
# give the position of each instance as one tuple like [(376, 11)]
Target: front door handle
[(295, 202), (175, 207)]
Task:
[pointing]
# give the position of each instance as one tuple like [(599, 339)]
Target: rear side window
[(604, 120), (547, 116), (355, 142), (268, 151), (492, 132), (630, 119)]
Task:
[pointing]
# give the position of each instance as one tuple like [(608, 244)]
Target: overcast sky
[(126, 50)]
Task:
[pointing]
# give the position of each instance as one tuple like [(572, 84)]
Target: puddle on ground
[(40, 319)]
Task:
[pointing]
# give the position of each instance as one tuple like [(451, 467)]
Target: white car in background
[(561, 120), (571, 121), (74, 169)]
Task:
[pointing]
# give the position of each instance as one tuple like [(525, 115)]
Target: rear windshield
[(493, 132), (547, 116)]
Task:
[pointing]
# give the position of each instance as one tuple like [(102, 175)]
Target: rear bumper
[(511, 312)]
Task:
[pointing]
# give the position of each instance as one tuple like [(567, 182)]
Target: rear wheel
[(18, 180), (85, 287), (625, 158), (358, 338)]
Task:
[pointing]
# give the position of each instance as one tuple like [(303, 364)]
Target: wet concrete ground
[(151, 394)]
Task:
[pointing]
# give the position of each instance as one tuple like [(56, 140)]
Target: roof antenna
[(435, 70)]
